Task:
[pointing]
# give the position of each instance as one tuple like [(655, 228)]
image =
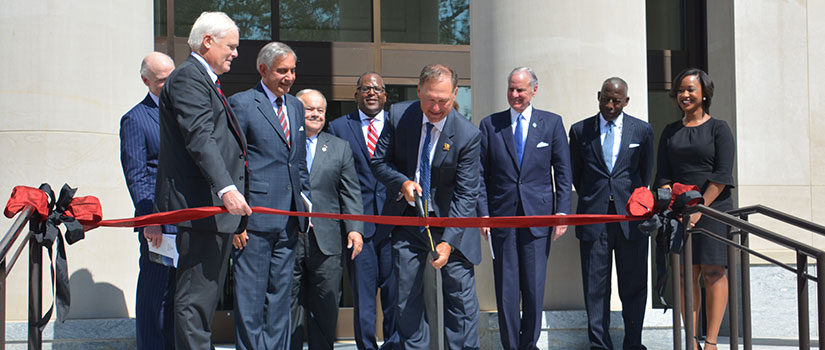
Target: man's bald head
[(154, 69)]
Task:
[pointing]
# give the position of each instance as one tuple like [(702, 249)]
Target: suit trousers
[(461, 308), (202, 262), (520, 268), (154, 302), (316, 292), (263, 283), (372, 269), (631, 271)]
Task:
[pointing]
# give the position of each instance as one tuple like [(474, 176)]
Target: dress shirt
[(214, 78), (154, 98), (365, 123), (514, 121), (272, 98), (617, 134)]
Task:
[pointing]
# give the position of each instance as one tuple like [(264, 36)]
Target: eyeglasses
[(366, 89)]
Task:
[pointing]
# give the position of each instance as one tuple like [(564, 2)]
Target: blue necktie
[(518, 135), (310, 156), (607, 146), (424, 168)]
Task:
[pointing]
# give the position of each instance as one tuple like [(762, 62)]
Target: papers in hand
[(167, 252)]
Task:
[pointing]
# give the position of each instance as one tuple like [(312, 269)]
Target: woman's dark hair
[(704, 80)]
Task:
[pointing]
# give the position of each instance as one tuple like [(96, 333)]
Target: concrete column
[(71, 71), (573, 46)]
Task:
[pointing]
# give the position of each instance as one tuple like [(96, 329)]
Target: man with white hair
[(202, 162), (264, 258), (139, 141)]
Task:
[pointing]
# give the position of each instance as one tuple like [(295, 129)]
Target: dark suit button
[(241, 156), (240, 177)]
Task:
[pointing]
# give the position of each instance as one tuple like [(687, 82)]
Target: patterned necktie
[(607, 146), (518, 136), (424, 168), (310, 155), (372, 137), (283, 119)]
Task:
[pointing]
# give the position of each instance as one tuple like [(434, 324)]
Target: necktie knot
[(279, 101)]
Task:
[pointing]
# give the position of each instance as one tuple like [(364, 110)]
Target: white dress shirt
[(434, 135), (617, 134), (528, 112), (378, 124)]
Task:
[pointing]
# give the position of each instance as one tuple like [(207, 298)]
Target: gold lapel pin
[(446, 147)]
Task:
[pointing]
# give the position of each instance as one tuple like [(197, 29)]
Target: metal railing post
[(676, 290), (802, 300), (745, 262), (687, 257), (733, 294), (820, 298), (3, 304), (35, 293)]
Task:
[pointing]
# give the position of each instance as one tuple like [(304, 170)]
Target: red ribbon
[(87, 212)]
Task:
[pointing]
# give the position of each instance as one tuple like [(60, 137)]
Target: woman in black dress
[(699, 150)]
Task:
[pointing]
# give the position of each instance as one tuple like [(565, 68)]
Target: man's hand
[(235, 203), (408, 188), (694, 218), (558, 231), (443, 250), (239, 240), (153, 235), (354, 242), (485, 231)]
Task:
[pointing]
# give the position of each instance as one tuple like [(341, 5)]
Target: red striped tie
[(372, 137), (282, 117)]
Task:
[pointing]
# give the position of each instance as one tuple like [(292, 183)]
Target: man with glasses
[(372, 269)]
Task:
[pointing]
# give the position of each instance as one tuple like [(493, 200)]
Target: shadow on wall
[(91, 300)]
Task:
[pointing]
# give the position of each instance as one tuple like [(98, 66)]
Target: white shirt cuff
[(226, 189)]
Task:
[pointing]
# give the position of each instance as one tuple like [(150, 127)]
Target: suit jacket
[(454, 177), (200, 151), (594, 183), (373, 192), (278, 173), (335, 189), (139, 143), (545, 163)]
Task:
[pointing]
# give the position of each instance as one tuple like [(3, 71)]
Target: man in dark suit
[(430, 149), (201, 163), (524, 153), (139, 142), (372, 269), (612, 155), (316, 288), (273, 122)]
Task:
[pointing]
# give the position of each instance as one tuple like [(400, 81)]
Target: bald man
[(139, 142), (316, 288)]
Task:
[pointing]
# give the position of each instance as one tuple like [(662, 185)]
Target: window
[(426, 21)]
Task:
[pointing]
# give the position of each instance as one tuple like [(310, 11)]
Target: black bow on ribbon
[(669, 231), (46, 231)]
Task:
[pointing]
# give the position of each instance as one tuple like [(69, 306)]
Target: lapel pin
[(534, 125), (446, 147), (324, 148)]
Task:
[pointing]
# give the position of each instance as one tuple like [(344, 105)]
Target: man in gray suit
[(316, 289), (273, 122), (201, 163)]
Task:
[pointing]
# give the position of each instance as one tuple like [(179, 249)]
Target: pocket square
[(633, 145), (302, 129), (542, 144)]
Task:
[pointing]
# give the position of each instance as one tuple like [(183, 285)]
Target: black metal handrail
[(35, 275), (739, 228)]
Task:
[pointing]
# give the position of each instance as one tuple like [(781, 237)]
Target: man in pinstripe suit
[(139, 142), (612, 154)]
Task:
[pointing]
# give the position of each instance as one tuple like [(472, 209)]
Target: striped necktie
[(283, 119), (372, 137)]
